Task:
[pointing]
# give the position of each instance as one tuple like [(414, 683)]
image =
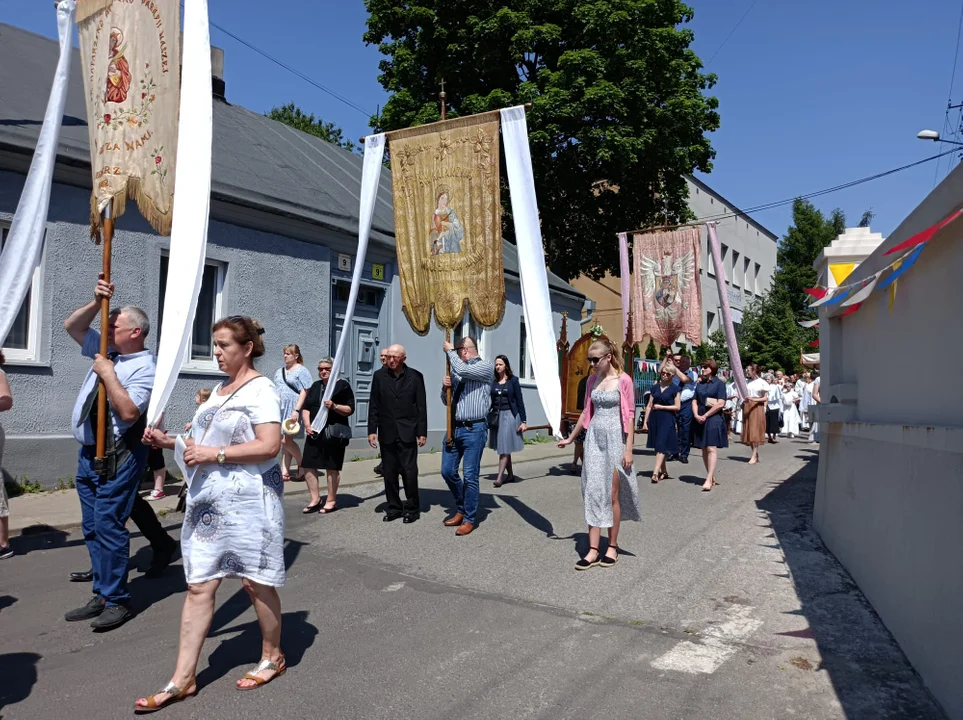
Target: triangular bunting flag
[(867, 288), (902, 265), (925, 236)]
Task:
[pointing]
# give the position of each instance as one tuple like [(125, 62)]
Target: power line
[(731, 32), (949, 93), (290, 69), (825, 191)]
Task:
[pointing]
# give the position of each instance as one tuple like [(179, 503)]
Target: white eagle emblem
[(665, 283)]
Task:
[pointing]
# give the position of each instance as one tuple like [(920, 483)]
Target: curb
[(290, 488)]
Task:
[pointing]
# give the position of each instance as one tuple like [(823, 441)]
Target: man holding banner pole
[(470, 380)]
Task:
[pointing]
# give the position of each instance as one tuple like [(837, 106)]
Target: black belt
[(468, 423)]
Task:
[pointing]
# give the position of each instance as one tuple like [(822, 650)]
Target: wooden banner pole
[(100, 460), (449, 435)]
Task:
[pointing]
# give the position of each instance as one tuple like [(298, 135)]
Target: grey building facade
[(281, 246)]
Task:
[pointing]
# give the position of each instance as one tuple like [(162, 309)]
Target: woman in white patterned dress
[(609, 488), (234, 521)]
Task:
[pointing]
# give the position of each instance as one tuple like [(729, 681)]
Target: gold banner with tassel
[(445, 182), (130, 57)]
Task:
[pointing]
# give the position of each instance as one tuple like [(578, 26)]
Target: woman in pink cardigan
[(609, 490)]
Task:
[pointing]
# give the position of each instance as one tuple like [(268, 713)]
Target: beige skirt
[(753, 423)]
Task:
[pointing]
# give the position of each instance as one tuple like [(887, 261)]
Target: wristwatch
[(221, 457)]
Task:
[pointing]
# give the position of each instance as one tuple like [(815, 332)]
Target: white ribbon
[(374, 150), (533, 276), (24, 246), (192, 191)]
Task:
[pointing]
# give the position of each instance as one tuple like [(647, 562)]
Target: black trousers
[(400, 458), (146, 521)]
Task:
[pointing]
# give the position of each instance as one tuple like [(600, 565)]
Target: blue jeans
[(683, 425), (469, 444), (105, 504)]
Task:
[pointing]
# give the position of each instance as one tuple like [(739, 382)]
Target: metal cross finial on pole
[(441, 97)]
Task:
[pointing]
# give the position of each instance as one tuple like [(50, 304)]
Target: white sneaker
[(155, 495)]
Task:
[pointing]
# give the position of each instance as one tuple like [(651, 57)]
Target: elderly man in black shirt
[(398, 419)]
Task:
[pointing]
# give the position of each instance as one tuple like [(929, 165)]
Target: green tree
[(699, 354), (618, 114), (650, 352), (770, 334), (716, 348), (295, 117)]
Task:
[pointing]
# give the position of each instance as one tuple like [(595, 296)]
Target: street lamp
[(935, 137)]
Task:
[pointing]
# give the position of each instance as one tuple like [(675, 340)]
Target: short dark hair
[(3, 360), (712, 365)]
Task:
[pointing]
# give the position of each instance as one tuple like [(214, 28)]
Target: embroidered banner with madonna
[(447, 205)]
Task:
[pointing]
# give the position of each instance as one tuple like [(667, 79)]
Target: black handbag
[(492, 418), (337, 431)]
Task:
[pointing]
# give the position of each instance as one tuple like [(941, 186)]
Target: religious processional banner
[(129, 57), (667, 294), (447, 204)]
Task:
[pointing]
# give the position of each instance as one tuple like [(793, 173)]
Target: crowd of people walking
[(241, 447)]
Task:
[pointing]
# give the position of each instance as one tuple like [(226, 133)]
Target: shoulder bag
[(284, 376), (336, 431)]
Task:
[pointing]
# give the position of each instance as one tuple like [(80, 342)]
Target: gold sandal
[(279, 668), (175, 693)]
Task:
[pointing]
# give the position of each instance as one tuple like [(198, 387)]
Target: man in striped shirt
[(471, 382)]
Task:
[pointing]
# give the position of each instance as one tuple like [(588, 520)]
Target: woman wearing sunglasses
[(660, 414), (609, 490)]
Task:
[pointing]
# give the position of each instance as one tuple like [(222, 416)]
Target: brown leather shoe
[(464, 529), (455, 520)]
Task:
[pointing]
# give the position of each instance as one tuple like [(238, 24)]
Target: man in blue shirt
[(471, 382), (106, 497), (685, 377)]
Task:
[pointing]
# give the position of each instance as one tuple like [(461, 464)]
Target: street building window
[(736, 269), (725, 263), (209, 311), (755, 278), (710, 321), (524, 368), (747, 266), (23, 341)]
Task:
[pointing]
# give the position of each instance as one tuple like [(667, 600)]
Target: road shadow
[(866, 666), (19, 673), (6, 601), (244, 649), (739, 458), (431, 497), (240, 601), (691, 479), (564, 471), (532, 517)]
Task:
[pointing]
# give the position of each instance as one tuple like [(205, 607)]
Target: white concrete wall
[(889, 500)]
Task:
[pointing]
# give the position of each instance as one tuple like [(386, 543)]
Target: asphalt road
[(724, 605)]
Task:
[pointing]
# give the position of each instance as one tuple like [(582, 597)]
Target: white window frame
[(524, 370), (747, 275), (725, 263), (736, 275), (203, 365), (755, 279), (30, 354)]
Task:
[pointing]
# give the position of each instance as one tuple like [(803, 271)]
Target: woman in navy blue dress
[(659, 421), (709, 426)]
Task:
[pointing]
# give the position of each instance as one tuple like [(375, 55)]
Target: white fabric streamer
[(533, 276), (24, 246), (374, 150), (192, 191)]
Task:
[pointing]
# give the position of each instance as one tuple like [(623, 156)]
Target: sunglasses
[(596, 360), (326, 368)]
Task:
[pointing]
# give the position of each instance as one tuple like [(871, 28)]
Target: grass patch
[(539, 439), (23, 487), (66, 483)]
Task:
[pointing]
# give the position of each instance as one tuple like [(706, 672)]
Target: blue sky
[(811, 94)]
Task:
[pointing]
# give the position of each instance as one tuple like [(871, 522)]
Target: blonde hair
[(202, 396), (609, 347), (294, 350)]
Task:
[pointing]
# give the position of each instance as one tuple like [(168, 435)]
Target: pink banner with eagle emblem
[(666, 290)]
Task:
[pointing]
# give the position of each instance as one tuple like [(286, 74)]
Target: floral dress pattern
[(234, 520)]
